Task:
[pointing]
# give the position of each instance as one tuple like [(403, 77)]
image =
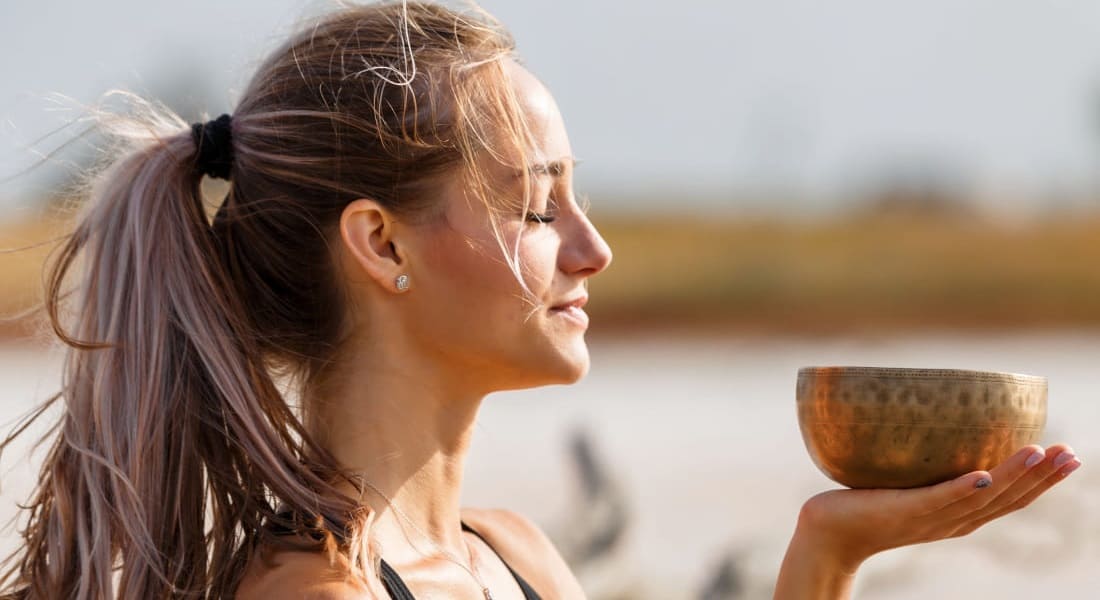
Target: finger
[(944, 495), (1041, 467), (1057, 472), (1002, 478), (1055, 465)]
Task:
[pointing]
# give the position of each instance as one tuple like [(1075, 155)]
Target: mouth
[(572, 310)]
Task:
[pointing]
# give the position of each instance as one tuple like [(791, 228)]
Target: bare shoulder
[(290, 575), (525, 548)]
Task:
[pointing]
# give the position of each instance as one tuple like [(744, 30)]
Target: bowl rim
[(922, 373)]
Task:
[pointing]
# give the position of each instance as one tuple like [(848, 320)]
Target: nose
[(584, 251)]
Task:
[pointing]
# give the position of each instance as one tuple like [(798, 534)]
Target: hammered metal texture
[(867, 427)]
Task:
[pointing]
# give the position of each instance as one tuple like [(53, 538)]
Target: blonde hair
[(176, 445)]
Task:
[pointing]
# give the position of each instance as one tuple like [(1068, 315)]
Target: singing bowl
[(869, 427)]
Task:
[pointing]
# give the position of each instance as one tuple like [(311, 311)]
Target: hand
[(839, 529)]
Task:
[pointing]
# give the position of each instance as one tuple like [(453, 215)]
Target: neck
[(404, 429)]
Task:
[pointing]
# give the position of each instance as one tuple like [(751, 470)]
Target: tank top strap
[(399, 591), (528, 592), (393, 583)]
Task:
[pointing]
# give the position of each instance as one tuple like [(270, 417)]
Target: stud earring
[(402, 282)]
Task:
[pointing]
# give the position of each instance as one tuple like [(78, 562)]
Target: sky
[(692, 102)]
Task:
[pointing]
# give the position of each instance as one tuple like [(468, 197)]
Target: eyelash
[(533, 217), (540, 218)]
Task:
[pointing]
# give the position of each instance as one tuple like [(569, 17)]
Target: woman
[(277, 403)]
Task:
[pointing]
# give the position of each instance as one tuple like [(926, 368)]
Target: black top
[(390, 579), (399, 591)]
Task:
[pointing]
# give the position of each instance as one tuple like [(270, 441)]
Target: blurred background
[(783, 183)]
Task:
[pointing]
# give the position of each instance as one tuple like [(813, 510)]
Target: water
[(702, 437)]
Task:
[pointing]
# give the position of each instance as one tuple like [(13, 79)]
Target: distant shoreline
[(871, 273)]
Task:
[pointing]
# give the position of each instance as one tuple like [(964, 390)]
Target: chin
[(575, 365), (552, 362), (562, 369)]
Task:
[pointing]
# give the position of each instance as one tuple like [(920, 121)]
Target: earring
[(402, 282)]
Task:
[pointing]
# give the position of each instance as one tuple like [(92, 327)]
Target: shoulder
[(525, 548), (293, 575)]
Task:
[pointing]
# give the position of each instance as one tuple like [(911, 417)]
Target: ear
[(368, 231)]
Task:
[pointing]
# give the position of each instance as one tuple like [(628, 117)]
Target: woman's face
[(471, 309)]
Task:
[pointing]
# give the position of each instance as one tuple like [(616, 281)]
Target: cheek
[(474, 308), (537, 266), (476, 267), (469, 272)]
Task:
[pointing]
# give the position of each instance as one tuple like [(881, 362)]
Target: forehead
[(542, 116)]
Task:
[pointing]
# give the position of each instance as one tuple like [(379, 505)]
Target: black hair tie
[(214, 141)]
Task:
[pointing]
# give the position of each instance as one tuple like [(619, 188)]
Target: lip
[(573, 310), (577, 302)]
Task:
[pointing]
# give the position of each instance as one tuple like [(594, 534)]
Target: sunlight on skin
[(838, 530)]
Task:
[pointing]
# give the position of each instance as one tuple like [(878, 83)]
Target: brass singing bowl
[(868, 427)]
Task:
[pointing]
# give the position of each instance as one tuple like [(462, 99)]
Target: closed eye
[(551, 205), (534, 217)]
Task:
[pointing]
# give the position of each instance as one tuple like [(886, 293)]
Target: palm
[(859, 523)]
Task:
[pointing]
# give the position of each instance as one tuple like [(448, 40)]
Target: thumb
[(950, 493)]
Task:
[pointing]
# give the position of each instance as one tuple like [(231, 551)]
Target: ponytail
[(170, 412)]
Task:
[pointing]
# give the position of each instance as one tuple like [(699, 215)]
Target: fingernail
[(1034, 459), (1063, 458), (1070, 469), (983, 483)]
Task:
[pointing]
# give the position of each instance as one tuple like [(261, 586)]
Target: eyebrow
[(554, 168)]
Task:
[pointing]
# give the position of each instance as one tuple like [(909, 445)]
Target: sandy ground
[(702, 437)]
